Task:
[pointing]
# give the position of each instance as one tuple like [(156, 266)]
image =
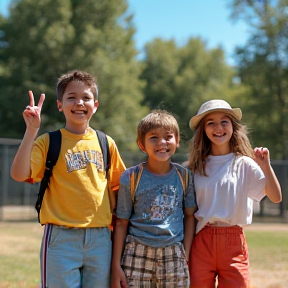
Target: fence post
[(4, 177), (1, 176)]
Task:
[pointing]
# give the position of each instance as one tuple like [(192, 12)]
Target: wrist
[(31, 133), (32, 130), (266, 169), (116, 264)]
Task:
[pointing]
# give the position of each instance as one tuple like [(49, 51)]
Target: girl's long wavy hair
[(200, 145)]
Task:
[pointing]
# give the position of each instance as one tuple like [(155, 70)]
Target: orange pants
[(222, 252)]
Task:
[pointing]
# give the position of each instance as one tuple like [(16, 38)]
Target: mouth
[(163, 150), (219, 135), (78, 112)]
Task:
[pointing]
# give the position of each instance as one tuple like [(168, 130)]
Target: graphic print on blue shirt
[(156, 212), (159, 202)]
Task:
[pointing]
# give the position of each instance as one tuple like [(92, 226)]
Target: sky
[(181, 20)]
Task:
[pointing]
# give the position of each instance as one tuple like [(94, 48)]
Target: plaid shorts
[(146, 266)]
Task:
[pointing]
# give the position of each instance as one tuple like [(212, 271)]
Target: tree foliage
[(41, 40), (180, 79), (263, 66)]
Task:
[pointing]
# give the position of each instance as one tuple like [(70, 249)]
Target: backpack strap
[(135, 179), (137, 173), (51, 159), (183, 175), (104, 145)]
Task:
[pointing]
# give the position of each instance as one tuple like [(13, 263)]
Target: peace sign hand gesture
[(32, 113)]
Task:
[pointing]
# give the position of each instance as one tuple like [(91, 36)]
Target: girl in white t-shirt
[(228, 176)]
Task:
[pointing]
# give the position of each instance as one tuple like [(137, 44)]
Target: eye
[(169, 137), (209, 123), (87, 98), (153, 137)]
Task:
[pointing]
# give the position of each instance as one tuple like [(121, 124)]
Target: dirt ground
[(256, 226), (261, 277)]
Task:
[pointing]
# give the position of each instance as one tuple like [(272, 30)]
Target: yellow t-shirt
[(77, 195)]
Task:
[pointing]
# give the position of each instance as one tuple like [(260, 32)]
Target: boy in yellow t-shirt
[(76, 212)]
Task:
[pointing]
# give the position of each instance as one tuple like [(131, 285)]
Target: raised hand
[(262, 156), (272, 188), (21, 166), (32, 113)]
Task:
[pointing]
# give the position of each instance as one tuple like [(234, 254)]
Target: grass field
[(20, 244), (268, 250)]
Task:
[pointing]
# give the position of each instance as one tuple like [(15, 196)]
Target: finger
[(31, 97), (256, 149), (29, 112), (123, 284), (265, 152), (41, 100)]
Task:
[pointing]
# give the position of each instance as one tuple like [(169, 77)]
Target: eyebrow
[(70, 93), (75, 93)]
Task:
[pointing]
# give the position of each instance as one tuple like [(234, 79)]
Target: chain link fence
[(17, 199)]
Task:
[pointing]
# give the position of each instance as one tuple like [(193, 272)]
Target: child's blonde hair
[(200, 145), (157, 119)]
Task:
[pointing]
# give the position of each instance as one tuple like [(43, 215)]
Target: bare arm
[(20, 169), (272, 189), (189, 229), (118, 278)]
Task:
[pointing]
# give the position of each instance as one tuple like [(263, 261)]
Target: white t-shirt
[(227, 194)]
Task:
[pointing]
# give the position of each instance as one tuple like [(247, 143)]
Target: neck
[(77, 129), (220, 150), (159, 168)]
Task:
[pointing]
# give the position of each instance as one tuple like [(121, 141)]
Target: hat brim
[(234, 112)]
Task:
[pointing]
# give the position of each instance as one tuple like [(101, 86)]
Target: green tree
[(263, 66), (40, 40), (180, 79)]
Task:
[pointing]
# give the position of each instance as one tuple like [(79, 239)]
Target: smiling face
[(78, 106), (218, 128), (160, 144)]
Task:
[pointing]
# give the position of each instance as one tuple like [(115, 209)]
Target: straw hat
[(213, 106)]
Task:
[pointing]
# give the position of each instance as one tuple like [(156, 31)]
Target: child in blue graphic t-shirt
[(151, 241)]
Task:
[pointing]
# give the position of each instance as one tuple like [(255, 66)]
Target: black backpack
[(52, 157)]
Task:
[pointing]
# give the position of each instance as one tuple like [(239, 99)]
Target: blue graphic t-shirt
[(156, 216)]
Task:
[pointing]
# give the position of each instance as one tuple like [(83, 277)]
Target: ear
[(141, 146), (59, 105), (177, 141), (96, 104)]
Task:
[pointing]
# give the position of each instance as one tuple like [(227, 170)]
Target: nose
[(218, 126), (79, 102), (162, 141)]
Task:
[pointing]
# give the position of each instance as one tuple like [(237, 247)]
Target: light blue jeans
[(75, 257)]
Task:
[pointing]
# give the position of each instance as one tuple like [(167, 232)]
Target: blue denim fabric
[(76, 257)]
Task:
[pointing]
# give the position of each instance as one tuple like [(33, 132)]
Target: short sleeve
[(190, 197), (38, 158), (124, 202), (256, 181), (117, 165)]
